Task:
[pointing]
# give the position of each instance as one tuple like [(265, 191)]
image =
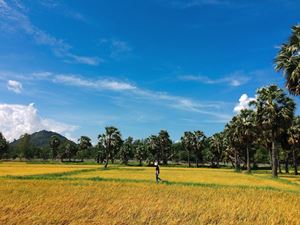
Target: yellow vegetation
[(82, 201), (19, 169)]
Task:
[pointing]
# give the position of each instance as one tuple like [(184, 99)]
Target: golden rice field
[(79, 194)]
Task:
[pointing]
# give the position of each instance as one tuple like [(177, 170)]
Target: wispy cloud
[(235, 79), (185, 4), (62, 9), (128, 89), (14, 86), (14, 19), (118, 49), (96, 84)]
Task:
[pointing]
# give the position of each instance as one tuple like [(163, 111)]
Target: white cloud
[(93, 61), (14, 86), (235, 79), (197, 3), (13, 19), (17, 120), (243, 103), (214, 109), (98, 84)]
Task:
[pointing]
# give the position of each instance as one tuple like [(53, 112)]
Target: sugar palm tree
[(247, 131), (84, 145), (110, 140), (294, 141), (274, 114), (165, 144), (288, 61), (232, 138), (217, 146), (188, 142), (200, 141)]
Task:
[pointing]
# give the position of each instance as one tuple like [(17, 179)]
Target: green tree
[(275, 112), (84, 145), (126, 150), (199, 145), (25, 147), (165, 144), (288, 61), (54, 144), (247, 131), (188, 143), (140, 151), (153, 148), (3, 146), (217, 148), (294, 140), (111, 141)]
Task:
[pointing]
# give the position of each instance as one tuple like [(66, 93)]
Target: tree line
[(265, 132)]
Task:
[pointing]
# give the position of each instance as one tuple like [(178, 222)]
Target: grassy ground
[(86, 194)]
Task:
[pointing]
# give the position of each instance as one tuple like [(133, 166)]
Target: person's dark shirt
[(157, 169)]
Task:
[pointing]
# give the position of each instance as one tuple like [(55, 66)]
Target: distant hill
[(41, 139)]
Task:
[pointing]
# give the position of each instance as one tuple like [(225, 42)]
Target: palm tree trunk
[(236, 158), (270, 158), (248, 160), (274, 160), (286, 163), (295, 161), (189, 159)]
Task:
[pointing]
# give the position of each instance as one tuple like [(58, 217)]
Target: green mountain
[(41, 139)]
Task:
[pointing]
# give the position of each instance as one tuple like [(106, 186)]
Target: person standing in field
[(157, 172)]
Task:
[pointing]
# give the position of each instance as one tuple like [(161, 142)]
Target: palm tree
[(3, 145), (216, 146), (140, 151), (126, 150), (200, 140), (54, 144), (165, 145), (84, 144), (188, 143), (110, 141), (233, 140), (288, 61), (274, 114), (247, 131), (294, 141), (153, 147)]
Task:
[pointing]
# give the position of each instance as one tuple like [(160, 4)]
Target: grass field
[(87, 194)]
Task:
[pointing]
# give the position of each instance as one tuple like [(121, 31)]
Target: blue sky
[(142, 66)]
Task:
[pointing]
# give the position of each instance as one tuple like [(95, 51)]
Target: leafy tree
[(3, 146), (84, 145), (217, 148), (126, 150), (165, 144), (233, 141), (153, 147), (199, 145), (140, 151), (275, 111), (25, 148), (54, 144), (188, 142), (294, 140), (111, 141), (247, 131), (288, 61)]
